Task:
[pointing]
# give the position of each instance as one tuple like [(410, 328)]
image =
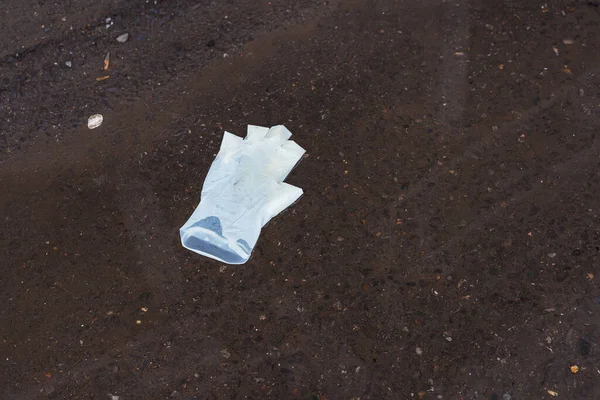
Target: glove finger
[(229, 142), (256, 132), (280, 198), (279, 132), (284, 159)]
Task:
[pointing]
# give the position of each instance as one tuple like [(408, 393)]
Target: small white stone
[(419, 351), (69, 64), (123, 38), (95, 121)]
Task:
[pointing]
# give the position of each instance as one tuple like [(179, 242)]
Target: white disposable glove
[(243, 190)]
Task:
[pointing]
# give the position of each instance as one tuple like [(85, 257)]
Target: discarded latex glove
[(243, 190)]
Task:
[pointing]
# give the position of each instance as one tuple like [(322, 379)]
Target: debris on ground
[(225, 353), (243, 190), (95, 121), (123, 38), (107, 61), (574, 369)]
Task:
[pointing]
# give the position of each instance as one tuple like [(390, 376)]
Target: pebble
[(95, 121), (225, 353), (123, 38), (419, 351), (568, 41), (506, 396), (489, 27), (551, 255), (69, 64), (574, 369)]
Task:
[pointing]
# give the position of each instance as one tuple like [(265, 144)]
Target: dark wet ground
[(447, 245)]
